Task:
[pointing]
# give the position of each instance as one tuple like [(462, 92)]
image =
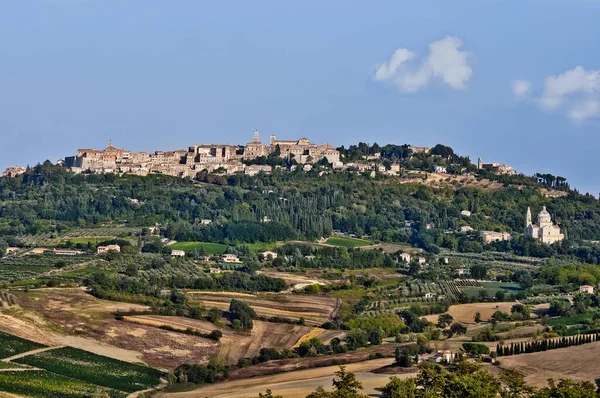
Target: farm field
[(577, 363), (12, 345), (347, 242), (43, 384), (75, 318), (15, 269), (295, 384), (94, 240), (316, 310), (94, 369), (209, 248), (491, 288), (465, 313), (570, 320), (236, 345)]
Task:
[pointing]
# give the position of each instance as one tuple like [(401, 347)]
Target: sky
[(516, 82)]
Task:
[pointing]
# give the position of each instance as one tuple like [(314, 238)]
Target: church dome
[(544, 216)]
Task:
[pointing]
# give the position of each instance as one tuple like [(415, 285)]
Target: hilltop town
[(250, 159)]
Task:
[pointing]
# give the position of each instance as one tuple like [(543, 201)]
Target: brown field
[(465, 313), (237, 345), (73, 317), (295, 384), (577, 363), (315, 310)]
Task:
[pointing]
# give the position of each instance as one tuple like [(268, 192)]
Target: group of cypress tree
[(545, 345)]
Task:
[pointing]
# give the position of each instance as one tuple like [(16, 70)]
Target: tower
[(479, 164), (272, 141), (528, 218), (255, 135)]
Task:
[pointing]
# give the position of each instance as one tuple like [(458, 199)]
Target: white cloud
[(558, 88), (584, 110), (521, 88), (575, 93), (445, 61)]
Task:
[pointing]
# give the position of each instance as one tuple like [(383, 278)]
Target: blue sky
[(496, 79)]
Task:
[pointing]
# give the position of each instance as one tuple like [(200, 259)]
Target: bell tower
[(256, 136), (528, 217)]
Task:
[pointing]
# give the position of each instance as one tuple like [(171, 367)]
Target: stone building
[(304, 151), (544, 231), (13, 171), (495, 167), (255, 149)]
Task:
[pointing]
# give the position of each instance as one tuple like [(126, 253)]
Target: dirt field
[(577, 363), (465, 313), (72, 317), (316, 310), (234, 345), (294, 384)]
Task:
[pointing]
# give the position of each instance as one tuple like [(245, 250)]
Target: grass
[(43, 384), (491, 288), (571, 320), (94, 369), (12, 345), (94, 240), (347, 242), (262, 246), (209, 247)]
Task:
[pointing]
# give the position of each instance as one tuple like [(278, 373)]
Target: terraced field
[(236, 345), (316, 310)]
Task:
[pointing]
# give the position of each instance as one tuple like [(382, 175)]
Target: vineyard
[(43, 384), (12, 345), (186, 269), (414, 293), (94, 369), (78, 235), (15, 269)]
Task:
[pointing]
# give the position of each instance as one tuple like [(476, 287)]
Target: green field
[(43, 384), (14, 269), (571, 320), (347, 242), (262, 246), (209, 247), (491, 288), (12, 345), (94, 369), (94, 240)]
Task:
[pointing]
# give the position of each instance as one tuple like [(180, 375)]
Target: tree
[(444, 320), (456, 329), (268, 394), (345, 385), (376, 336)]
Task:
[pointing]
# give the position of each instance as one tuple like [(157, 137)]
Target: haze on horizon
[(518, 85)]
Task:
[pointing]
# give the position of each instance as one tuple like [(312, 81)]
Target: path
[(26, 354)]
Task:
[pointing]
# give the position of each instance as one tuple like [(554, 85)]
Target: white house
[(442, 356), (106, 249), (465, 213), (439, 169), (586, 289), (466, 228), (205, 221), (177, 253), (230, 258), (405, 257)]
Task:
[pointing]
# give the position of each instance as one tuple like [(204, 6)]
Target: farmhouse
[(405, 257), (442, 357), (493, 236), (422, 260), (106, 249), (230, 258), (177, 253), (429, 295), (586, 289), (39, 250), (465, 213), (466, 228)]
